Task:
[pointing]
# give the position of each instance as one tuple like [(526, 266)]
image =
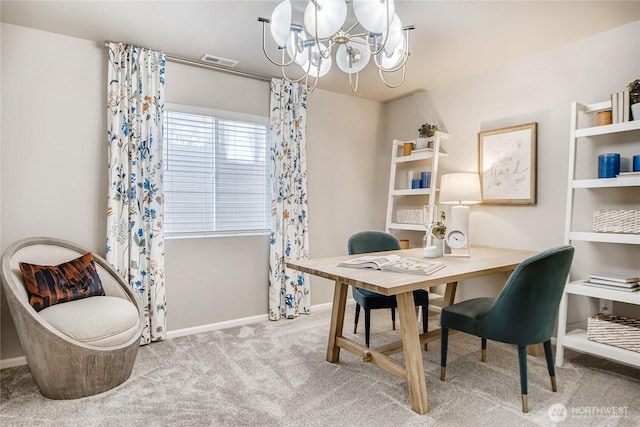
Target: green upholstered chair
[(524, 313), (378, 241)]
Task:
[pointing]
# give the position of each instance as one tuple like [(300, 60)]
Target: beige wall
[(53, 150), (347, 175), (538, 89), (54, 172)]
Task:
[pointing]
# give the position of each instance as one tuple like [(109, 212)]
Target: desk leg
[(412, 353), (337, 320), (449, 293)]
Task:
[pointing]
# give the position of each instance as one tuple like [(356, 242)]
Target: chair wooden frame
[(62, 367)]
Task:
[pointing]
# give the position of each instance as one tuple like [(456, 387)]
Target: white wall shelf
[(400, 195), (577, 340), (414, 192), (603, 136), (588, 236), (607, 182), (608, 129), (409, 227), (578, 288)]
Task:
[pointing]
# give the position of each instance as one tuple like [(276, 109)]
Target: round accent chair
[(80, 347)]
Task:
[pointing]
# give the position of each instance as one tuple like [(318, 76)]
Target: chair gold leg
[(554, 386), (483, 355), (355, 329), (393, 324), (525, 403), (442, 373)]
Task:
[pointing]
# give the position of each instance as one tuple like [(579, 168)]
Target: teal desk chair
[(524, 312), (378, 241)]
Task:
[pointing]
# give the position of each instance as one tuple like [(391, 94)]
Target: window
[(216, 177)]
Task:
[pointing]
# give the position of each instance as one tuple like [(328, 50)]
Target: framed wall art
[(507, 164)]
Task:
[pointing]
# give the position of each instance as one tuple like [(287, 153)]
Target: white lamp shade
[(372, 14), (460, 188), (295, 48), (319, 66), (331, 16), (390, 61), (359, 56), (281, 23), (394, 38)]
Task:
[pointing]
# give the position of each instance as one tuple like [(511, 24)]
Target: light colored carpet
[(275, 374)]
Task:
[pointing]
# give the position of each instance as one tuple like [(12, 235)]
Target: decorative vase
[(635, 111), (421, 143), (439, 244)]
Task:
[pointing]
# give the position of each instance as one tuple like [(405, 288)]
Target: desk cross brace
[(412, 371)]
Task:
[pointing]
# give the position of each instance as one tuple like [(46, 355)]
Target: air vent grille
[(216, 60)]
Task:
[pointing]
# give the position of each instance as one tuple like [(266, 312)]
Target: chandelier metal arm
[(381, 75), (326, 53), (264, 45), (284, 73), (353, 88), (375, 50), (405, 58)]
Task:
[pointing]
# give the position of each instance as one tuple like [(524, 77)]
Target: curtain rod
[(193, 63)]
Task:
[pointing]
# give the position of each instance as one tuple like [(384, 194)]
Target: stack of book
[(620, 107), (613, 281)]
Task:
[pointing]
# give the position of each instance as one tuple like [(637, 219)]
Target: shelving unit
[(619, 137), (400, 193)]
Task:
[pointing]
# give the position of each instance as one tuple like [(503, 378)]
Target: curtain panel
[(135, 237), (289, 293)]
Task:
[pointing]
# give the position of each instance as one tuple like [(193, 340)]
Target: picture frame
[(507, 164)]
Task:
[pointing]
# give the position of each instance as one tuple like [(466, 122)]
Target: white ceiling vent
[(216, 60)]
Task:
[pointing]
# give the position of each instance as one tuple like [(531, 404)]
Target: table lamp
[(460, 189)]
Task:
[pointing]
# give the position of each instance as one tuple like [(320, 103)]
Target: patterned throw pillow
[(52, 284)]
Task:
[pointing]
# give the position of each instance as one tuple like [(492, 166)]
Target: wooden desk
[(483, 261)]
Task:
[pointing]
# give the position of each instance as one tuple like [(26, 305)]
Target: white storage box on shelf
[(622, 332), (625, 221)]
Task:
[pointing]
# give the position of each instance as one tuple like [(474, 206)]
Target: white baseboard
[(231, 323), (10, 363), (19, 361), (215, 326)]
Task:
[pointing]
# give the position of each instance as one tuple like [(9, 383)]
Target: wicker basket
[(617, 221), (617, 331), (409, 216)]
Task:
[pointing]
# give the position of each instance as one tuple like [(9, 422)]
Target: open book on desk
[(393, 262)]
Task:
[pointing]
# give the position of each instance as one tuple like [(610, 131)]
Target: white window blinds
[(215, 175)]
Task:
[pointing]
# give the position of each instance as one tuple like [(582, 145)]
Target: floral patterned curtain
[(289, 292), (135, 237)]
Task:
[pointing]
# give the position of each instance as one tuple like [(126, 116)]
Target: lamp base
[(460, 218)]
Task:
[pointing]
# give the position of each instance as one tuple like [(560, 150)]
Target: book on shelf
[(614, 277), (628, 174), (614, 283), (394, 263), (620, 106), (626, 105), (612, 287)]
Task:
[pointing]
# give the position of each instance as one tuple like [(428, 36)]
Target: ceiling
[(452, 39)]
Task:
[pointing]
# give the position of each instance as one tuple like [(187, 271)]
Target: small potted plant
[(440, 229), (634, 98), (426, 130)]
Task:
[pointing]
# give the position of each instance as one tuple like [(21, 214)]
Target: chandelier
[(377, 36)]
